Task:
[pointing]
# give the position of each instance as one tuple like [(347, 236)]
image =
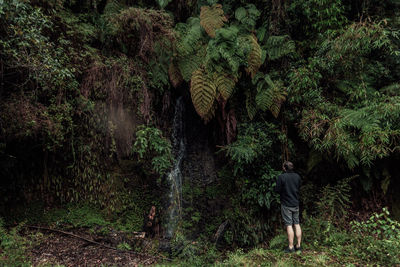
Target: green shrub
[(379, 237), (151, 147), (12, 247)]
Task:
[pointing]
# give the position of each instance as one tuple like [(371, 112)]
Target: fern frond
[(111, 8), (335, 200), (254, 58), (271, 98), (187, 65), (392, 90), (212, 18), (190, 35), (203, 92), (174, 74), (279, 46), (250, 105), (211, 113), (225, 84)]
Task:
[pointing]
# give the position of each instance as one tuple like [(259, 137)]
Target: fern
[(270, 95), (211, 113), (250, 105), (335, 200), (279, 46), (174, 74), (190, 35), (392, 90), (254, 58), (226, 52), (247, 16), (187, 65), (212, 18), (225, 84), (111, 8), (203, 92)]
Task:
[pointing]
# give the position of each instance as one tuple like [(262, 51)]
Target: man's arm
[(278, 185)]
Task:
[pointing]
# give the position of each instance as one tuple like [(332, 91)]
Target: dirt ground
[(52, 249)]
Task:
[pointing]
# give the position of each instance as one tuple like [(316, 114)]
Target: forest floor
[(57, 249), (83, 236)]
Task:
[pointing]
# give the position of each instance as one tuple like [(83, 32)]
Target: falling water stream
[(175, 175)]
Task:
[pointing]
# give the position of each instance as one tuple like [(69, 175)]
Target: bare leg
[(298, 234), (290, 234)]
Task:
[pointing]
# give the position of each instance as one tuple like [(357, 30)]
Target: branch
[(96, 243)]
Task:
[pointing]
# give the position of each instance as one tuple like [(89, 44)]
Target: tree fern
[(279, 46), (203, 92), (212, 18), (254, 58), (225, 84)]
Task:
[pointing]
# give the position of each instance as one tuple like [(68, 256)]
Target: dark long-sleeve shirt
[(288, 186)]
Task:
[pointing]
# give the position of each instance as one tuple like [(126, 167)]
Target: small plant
[(151, 146), (124, 246)]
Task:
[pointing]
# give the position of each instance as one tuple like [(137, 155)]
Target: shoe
[(289, 250), (297, 248)]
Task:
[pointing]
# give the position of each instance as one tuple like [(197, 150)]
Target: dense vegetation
[(87, 93)]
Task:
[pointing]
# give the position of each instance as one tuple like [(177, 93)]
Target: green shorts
[(290, 215)]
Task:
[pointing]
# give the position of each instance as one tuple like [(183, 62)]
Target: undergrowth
[(12, 247)]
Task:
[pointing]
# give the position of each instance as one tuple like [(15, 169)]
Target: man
[(288, 185)]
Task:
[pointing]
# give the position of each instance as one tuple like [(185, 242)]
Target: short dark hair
[(288, 166)]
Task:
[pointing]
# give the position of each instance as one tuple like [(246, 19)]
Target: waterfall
[(174, 177)]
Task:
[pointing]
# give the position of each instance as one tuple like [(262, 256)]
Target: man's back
[(288, 185)]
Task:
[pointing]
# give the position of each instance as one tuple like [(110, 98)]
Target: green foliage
[(319, 17), (383, 234), (225, 52), (12, 247), (380, 226), (278, 242), (270, 94), (124, 246), (359, 135), (254, 140), (279, 46), (335, 201), (222, 55), (247, 16), (189, 34), (77, 216), (151, 147), (193, 253), (260, 192)]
